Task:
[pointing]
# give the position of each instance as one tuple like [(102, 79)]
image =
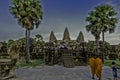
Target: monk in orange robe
[(96, 67), (98, 62), (92, 66)]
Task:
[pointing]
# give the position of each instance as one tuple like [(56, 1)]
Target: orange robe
[(98, 62), (92, 65)]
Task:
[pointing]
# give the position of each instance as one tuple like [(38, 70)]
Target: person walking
[(92, 66), (98, 68), (114, 70)]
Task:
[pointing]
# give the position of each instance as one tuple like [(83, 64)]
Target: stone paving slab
[(60, 73)]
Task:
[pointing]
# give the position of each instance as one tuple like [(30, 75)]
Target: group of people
[(96, 68)]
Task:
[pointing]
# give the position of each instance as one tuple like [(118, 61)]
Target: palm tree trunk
[(103, 46), (27, 46), (97, 43)]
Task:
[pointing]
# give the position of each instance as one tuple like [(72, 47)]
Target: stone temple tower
[(66, 36), (52, 37), (80, 37)]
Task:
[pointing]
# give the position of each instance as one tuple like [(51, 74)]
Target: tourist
[(114, 70)]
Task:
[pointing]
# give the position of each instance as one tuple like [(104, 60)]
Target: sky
[(57, 15)]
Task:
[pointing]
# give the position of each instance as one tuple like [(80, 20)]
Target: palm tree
[(29, 14), (102, 19), (107, 20), (94, 28)]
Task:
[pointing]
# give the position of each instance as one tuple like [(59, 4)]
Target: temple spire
[(80, 37), (52, 37), (66, 36)]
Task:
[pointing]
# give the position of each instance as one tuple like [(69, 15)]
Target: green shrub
[(113, 56)]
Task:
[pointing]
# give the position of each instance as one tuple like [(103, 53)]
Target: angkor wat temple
[(78, 50), (66, 38), (75, 48)]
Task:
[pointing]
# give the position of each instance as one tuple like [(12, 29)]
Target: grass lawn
[(33, 63), (109, 63)]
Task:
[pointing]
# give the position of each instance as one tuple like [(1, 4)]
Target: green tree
[(94, 28), (13, 50), (90, 47), (38, 37), (38, 41), (22, 48), (108, 21), (117, 48), (102, 19), (3, 47), (29, 14), (10, 42), (107, 48)]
